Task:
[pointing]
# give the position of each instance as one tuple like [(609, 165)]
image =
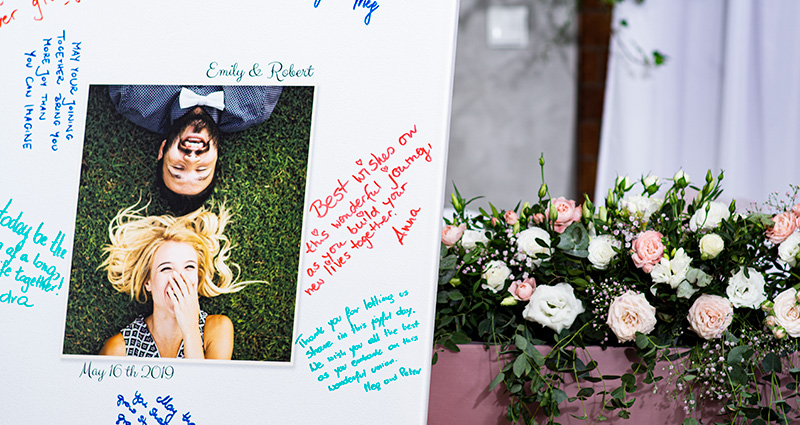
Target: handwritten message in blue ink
[(51, 84), (362, 344), (145, 411), (364, 202), (274, 70), (23, 274), (360, 5), (118, 370)]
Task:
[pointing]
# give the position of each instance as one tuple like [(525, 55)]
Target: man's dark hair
[(177, 203)]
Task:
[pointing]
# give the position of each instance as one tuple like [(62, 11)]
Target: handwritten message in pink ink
[(9, 15), (370, 200)]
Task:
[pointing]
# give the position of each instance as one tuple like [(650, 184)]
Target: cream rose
[(630, 313), (710, 246), (495, 273), (553, 306), (710, 315), (568, 213), (783, 228), (511, 218), (601, 250), (451, 234), (788, 249), (471, 238), (707, 220), (746, 292), (522, 291), (641, 205), (527, 245), (787, 312), (647, 250)]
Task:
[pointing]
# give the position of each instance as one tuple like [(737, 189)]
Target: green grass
[(263, 173)]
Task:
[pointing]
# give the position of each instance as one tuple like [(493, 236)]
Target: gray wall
[(511, 105)]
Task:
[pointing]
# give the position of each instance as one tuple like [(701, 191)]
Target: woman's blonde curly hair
[(135, 239)]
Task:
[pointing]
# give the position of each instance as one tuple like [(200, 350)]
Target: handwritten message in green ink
[(26, 271), (362, 345)]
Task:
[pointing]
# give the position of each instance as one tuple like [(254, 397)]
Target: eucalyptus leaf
[(771, 363)]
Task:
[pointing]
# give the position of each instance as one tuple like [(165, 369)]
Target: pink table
[(459, 392)]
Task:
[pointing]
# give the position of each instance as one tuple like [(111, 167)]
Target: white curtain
[(728, 97)]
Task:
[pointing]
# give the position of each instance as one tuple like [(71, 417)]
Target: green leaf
[(456, 295), (559, 396), (771, 363), (738, 375), (618, 393), (537, 357), (497, 379), (459, 337), (690, 421), (585, 392), (738, 353), (628, 379), (521, 342), (642, 341), (519, 365), (448, 262)]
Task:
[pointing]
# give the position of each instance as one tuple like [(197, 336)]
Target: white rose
[(495, 273), (650, 180), (787, 312), (717, 211), (601, 250), (527, 245), (711, 245), (746, 292), (553, 306), (673, 271), (788, 249), (625, 182), (682, 175), (644, 205), (630, 313), (471, 237)]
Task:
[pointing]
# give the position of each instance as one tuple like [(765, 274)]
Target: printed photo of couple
[(188, 224)]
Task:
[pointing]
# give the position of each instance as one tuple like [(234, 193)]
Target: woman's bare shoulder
[(114, 346), (218, 336)]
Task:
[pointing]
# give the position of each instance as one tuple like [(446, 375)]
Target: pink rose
[(451, 234), (522, 291), (511, 218), (783, 227), (796, 210), (494, 221), (538, 218), (568, 213), (647, 250), (710, 315)]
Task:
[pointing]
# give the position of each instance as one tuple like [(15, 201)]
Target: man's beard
[(195, 120)]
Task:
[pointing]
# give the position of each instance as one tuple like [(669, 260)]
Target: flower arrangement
[(661, 266)]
